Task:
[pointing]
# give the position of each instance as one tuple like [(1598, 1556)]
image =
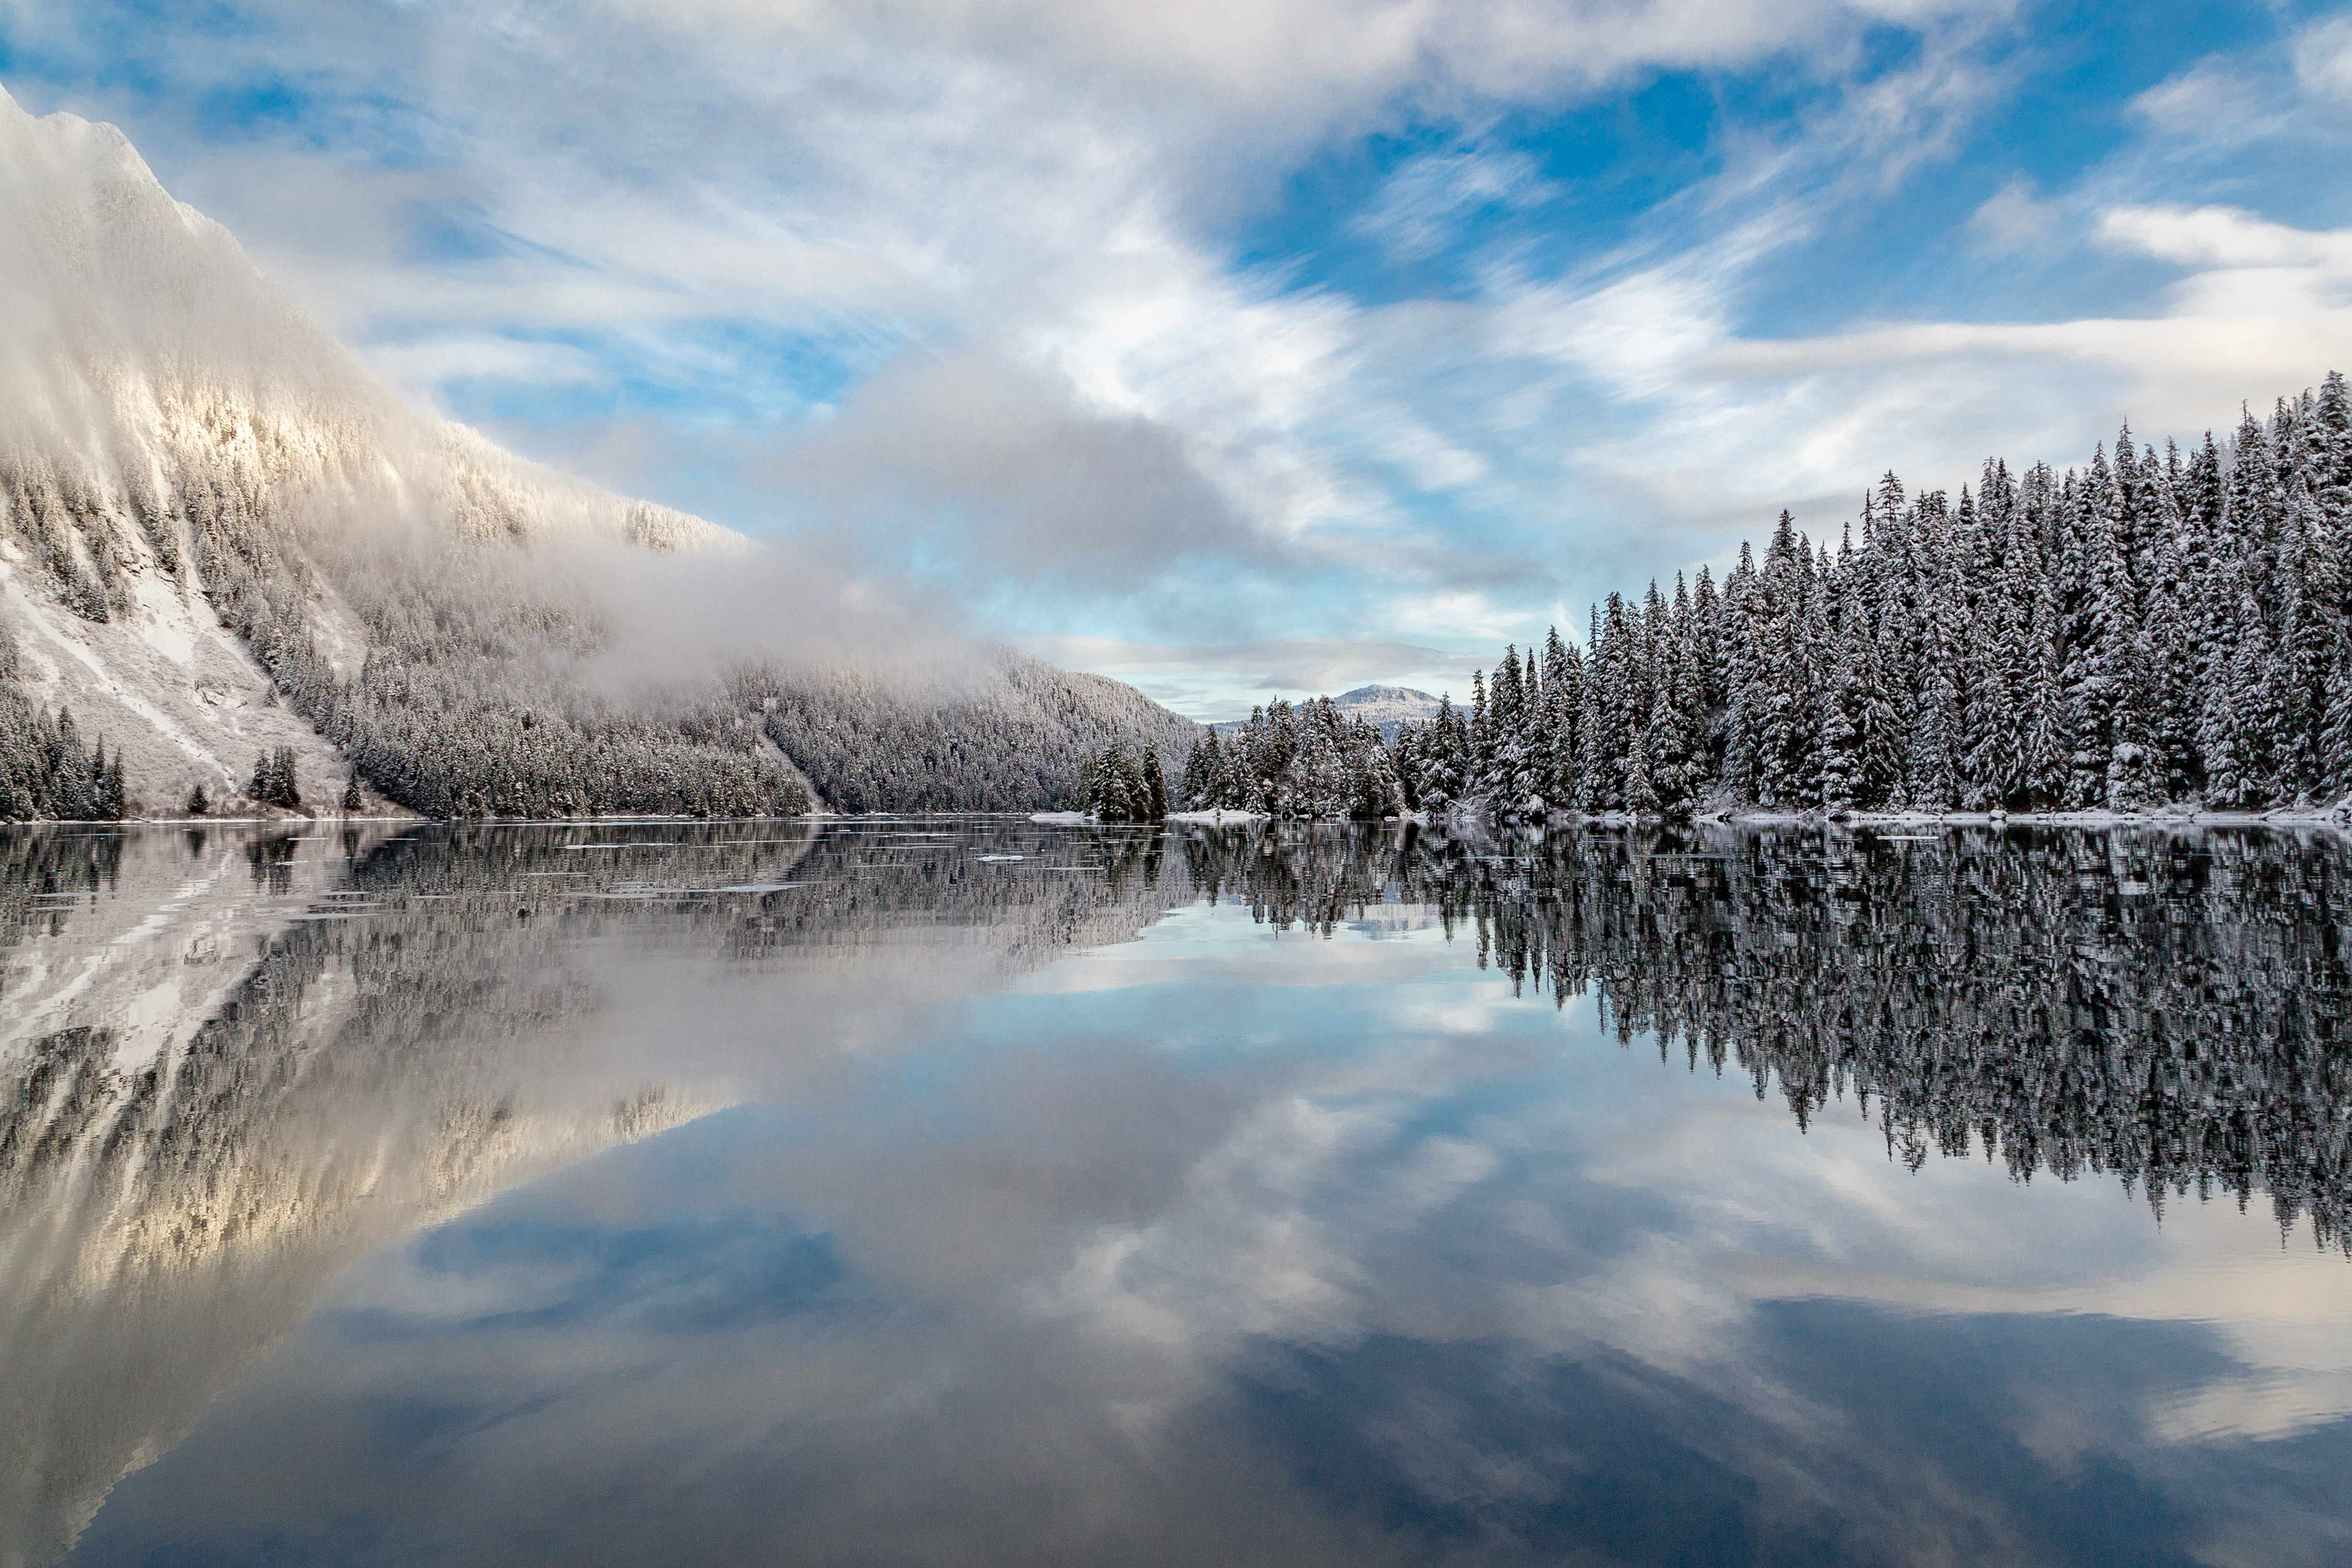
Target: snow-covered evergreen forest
[(2158, 626), (1305, 759), (44, 769), (456, 692), (220, 535), (1020, 742), (1118, 788)]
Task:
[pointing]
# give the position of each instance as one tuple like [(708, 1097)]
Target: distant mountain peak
[(1385, 707)]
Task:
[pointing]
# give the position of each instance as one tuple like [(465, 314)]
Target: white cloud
[(765, 205), (1201, 680), (2013, 218), (1003, 469), (1418, 212), (2266, 311), (429, 363), (2213, 96), (2224, 237), (2323, 58), (1296, 67)]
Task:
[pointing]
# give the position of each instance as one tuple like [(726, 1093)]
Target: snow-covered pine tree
[(2090, 617), (1373, 774), (2230, 730), (1933, 777), (1203, 771), (2254, 509), (1526, 767), (1708, 659), (2331, 454), (1788, 773), (1845, 699), (1563, 708), (1623, 709), (1678, 726), (2334, 781), (1596, 766), (1478, 778), (1506, 763), (2130, 773), (1316, 783), (1155, 785), (1744, 695), (1445, 761)]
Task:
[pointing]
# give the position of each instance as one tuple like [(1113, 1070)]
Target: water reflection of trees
[(37, 868), (393, 1035), (2162, 1006)]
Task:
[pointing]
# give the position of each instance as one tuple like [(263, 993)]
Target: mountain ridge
[(221, 537), (1386, 709)]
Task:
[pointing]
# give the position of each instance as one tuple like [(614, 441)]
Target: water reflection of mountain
[(233, 1061), (2162, 1006)]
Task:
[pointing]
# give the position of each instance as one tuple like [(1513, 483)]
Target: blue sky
[(1259, 345)]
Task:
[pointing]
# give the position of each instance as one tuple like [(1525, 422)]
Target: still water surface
[(948, 1192)]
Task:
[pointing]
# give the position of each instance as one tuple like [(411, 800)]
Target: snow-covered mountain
[(1384, 707), (1387, 706), (220, 536)]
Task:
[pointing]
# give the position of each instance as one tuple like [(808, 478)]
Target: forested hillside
[(2156, 627), (222, 540), (1016, 742)]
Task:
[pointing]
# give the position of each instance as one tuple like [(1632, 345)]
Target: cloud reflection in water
[(1238, 1243)]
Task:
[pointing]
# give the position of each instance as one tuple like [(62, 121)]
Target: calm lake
[(954, 1191)]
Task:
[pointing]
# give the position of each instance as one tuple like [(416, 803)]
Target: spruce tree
[(2334, 784), (1743, 698), (1845, 704), (1595, 764), (1563, 706), (2331, 453), (1203, 771), (1155, 786)]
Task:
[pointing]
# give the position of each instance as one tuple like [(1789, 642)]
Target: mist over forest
[(233, 556)]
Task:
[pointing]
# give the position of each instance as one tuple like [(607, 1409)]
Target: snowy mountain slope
[(185, 460), (219, 534), (1008, 744), (1383, 707), (1386, 707), (164, 683), (146, 354)]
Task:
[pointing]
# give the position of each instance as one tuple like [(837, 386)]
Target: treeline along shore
[(2159, 628)]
